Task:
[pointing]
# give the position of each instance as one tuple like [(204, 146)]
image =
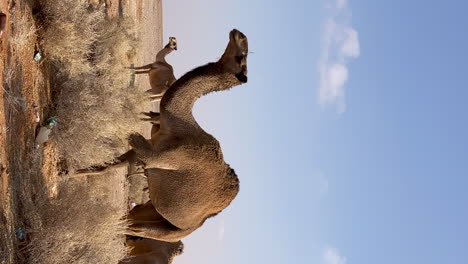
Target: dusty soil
[(27, 173)]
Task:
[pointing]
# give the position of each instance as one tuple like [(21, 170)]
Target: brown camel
[(161, 73), (188, 179)]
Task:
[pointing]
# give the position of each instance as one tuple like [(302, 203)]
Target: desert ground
[(47, 213)]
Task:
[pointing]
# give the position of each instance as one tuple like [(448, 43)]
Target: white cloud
[(341, 4), (340, 43), (337, 75), (350, 46), (331, 256), (332, 84)]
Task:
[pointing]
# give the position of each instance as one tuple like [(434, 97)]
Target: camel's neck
[(181, 96), (161, 56)]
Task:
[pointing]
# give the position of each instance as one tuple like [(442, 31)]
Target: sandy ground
[(25, 171)]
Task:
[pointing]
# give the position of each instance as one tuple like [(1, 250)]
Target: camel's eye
[(239, 59)]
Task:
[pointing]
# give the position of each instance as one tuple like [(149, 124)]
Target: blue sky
[(350, 139)]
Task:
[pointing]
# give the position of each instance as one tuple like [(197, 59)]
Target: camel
[(148, 251), (188, 179), (161, 73)]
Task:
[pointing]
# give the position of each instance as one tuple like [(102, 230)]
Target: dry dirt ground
[(29, 175)]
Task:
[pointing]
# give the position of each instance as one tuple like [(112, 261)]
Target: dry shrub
[(23, 31), (11, 82), (67, 220), (93, 122), (80, 226), (70, 31), (96, 108)]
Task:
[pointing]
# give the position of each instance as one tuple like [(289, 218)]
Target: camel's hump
[(186, 198)]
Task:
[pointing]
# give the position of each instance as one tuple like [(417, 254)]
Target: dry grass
[(85, 55), (70, 31), (80, 226), (10, 81), (23, 32), (96, 109)]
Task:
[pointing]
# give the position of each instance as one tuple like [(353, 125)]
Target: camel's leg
[(132, 159), (156, 97), (153, 92), (141, 174), (129, 159), (144, 218), (151, 116), (142, 246), (98, 171), (144, 213), (145, 251), (128, 156), (142, 72), (152, 120), (155, 133), (144, 67), (158, 230)]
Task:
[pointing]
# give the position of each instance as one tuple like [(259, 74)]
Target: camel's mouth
[(241, 77)]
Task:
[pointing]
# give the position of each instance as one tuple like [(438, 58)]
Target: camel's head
[(179, 250), (234, 58), (172, 43)]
